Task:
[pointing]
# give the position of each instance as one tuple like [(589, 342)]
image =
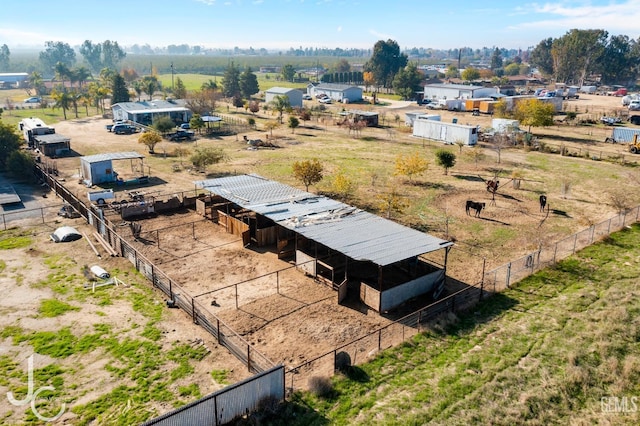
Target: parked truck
[(449, 133), (622, 135)]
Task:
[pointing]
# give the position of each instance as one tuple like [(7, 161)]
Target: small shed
[(96, 169), (52, 145), (457, 91), (294, 95)]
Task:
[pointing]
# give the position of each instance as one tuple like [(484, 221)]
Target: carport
[(97, 169)]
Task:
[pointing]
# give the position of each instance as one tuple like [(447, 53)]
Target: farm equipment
[(634, 146)]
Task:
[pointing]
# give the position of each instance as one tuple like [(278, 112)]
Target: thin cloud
[(207, 2), (380, 35), (339, 29)]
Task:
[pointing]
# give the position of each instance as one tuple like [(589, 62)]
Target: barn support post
[(171, 289), (248, 357)]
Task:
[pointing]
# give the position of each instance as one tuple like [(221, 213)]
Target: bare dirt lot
[(292, 318)]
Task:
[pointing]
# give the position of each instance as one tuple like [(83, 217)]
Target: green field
[(562, 347)]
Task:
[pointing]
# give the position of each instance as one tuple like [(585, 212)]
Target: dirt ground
[(291, 319)]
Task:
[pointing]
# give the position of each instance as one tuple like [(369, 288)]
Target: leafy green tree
[(37, 83), (293, 123), (248, 83), (342, 66), (270, 126), (288, 72), (119, 91), (63, 72), (411, 165), (5, 55), (620, 61), (496, 59), (231, 81), (391, 202), (163, 124), (180, 91), (92, 54), (57, 52), (541, 57), (534, 113), (445, 159), (577, 54), (204, 157), (512, 69), (197, 123), (452, 72), (112, 54), (470, 74), (407, 81), (10, 141), (150, 139), (280, 103), (309, 172), (385, 62), (237, 101), (21, 164)]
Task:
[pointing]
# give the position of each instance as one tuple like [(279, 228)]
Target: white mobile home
[(449, 133), (412, 116), (32, 126)]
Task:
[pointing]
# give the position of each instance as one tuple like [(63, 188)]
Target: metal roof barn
[(98, 168), (356, 233)]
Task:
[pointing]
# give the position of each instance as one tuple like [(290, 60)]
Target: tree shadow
[(472, 178), (433, 185)]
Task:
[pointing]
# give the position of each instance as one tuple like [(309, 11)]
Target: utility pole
[(172, 89)]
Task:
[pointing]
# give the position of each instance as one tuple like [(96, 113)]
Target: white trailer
[(31, 127), (449, 133), (501, 125)]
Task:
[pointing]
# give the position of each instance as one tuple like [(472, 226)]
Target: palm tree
[(150, 84), (82, 74), (62, 72), (35, 81), (138, 88), (62, 100)]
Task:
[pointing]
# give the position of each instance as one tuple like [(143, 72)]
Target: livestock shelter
[(369, 117), (294, 95), (457, 91), (147, 112), (350, 249), (97, 169), (344, 93)]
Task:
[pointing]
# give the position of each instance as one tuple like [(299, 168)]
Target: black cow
[(475, 206), (543, 202)]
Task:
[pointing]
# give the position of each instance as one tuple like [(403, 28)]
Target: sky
[(284, 24)]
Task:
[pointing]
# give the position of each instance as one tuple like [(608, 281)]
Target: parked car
[(326, 100), (634, 105), (634, 119), (181, 135), (307, 97), (610, 121), (124, 129), (322, 96), (33, 100)]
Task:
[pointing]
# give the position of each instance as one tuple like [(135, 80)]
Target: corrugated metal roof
[(335, 86), (51, 138), (282, 90), (111, 156), (355, 233)]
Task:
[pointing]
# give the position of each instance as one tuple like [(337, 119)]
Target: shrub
[(320, 386)]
